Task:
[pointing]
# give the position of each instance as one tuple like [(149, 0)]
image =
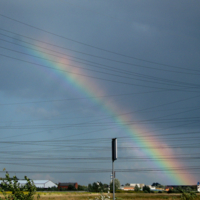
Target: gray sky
[(75, 74)]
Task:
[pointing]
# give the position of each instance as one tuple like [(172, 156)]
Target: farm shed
[(44, 183), (38, 183)]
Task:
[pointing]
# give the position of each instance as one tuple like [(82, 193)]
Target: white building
[(198, 186), (151, 187), (140, 185), (38, 183)]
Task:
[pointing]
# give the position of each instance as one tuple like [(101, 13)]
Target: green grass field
[(91, 196)]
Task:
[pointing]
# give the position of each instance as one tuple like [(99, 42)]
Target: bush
[(71, 187), (130, 191), (120, 191), (19, 192), (171, 191), (188, 196)]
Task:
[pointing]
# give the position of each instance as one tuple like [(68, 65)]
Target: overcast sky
[(75, 74)]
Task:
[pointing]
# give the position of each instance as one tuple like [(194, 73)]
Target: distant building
[(126, 188), (151, 187), (38, 183), (198, 186), (140, 185), (132, 186), (159, 189), (66, 185), (167, 188)]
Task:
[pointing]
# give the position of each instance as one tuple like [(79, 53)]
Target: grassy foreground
[(91, 196)]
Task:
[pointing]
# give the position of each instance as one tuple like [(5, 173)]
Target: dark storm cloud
[(160, 31)]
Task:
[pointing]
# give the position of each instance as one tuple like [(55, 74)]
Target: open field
[(91, 196)]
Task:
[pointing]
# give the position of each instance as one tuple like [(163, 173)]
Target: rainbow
[(83, 85)]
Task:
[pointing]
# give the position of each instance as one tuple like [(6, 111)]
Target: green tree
[(156, 184), (98, 187), (17, 190), (146, 189), (105, 187), (82, 187), (117, 185), (95, 187), (127, 184), (90, 189), (71, 187), (136, 189)]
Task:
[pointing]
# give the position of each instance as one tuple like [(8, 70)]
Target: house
[(126, 188), (66, 185), (131, 187), (167, 188)]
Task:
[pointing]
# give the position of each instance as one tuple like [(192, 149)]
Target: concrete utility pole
[(111, 178), (114, 157)]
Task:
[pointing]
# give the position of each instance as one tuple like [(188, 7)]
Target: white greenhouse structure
[(38, 183)]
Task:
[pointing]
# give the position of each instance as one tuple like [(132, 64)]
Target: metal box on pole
[(114, 149), (114, 157)]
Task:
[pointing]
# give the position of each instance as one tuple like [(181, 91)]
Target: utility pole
[(114, 157)]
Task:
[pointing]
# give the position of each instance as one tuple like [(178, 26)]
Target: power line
[(88, 76), (116, 61), (150, 79), (108, 51), (57, 35)]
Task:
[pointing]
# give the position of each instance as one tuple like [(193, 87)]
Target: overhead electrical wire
[(173, 170), (151, 80), (123, 114), (67, 56), (93, 77), (86, 147), (57, 35)]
